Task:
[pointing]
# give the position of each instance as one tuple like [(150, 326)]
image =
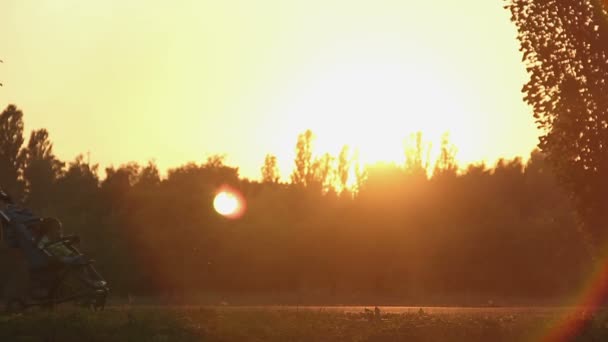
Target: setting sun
[(372, 101)]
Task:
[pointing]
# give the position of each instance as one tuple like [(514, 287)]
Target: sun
[(373, 101), (228, 204)]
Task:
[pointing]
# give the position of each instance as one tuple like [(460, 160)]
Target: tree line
[(396, 230)]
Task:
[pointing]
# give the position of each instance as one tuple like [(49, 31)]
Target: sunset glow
[(244, 79), (373, 102), (374, 170)]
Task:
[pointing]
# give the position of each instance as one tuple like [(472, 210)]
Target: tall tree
[(11, 140), (417, 155), (446, 162), (344, 163), (565, 49), (41, 169), (303, 172), (323, 172), (360, 172), (270, 170)]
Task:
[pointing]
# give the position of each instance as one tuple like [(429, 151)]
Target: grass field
[(153, 323)]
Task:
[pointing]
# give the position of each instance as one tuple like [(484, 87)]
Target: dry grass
[(238, 324)]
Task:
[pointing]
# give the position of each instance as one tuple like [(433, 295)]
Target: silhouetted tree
[(360, 173), (149, 176), (118, 181), (270, 170), (77, 199), (344, 164), (11, 140), (323, 172), (216, 161), (417, 155), (446, 162), (79, 179), (41, 169), (303, 173), (491, 232), (565, 49)]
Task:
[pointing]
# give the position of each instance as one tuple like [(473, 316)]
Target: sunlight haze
[(178, 81)]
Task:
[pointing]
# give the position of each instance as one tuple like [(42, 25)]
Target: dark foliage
[(504, 232), (565, 49)]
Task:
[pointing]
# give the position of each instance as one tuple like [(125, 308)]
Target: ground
[(154, 323)]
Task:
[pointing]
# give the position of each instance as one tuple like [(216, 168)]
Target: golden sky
[(176, 81)]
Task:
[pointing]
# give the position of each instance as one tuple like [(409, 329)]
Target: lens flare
[(229, 203), (590, 300)]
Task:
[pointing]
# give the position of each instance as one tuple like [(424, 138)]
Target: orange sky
[(176, 81)]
